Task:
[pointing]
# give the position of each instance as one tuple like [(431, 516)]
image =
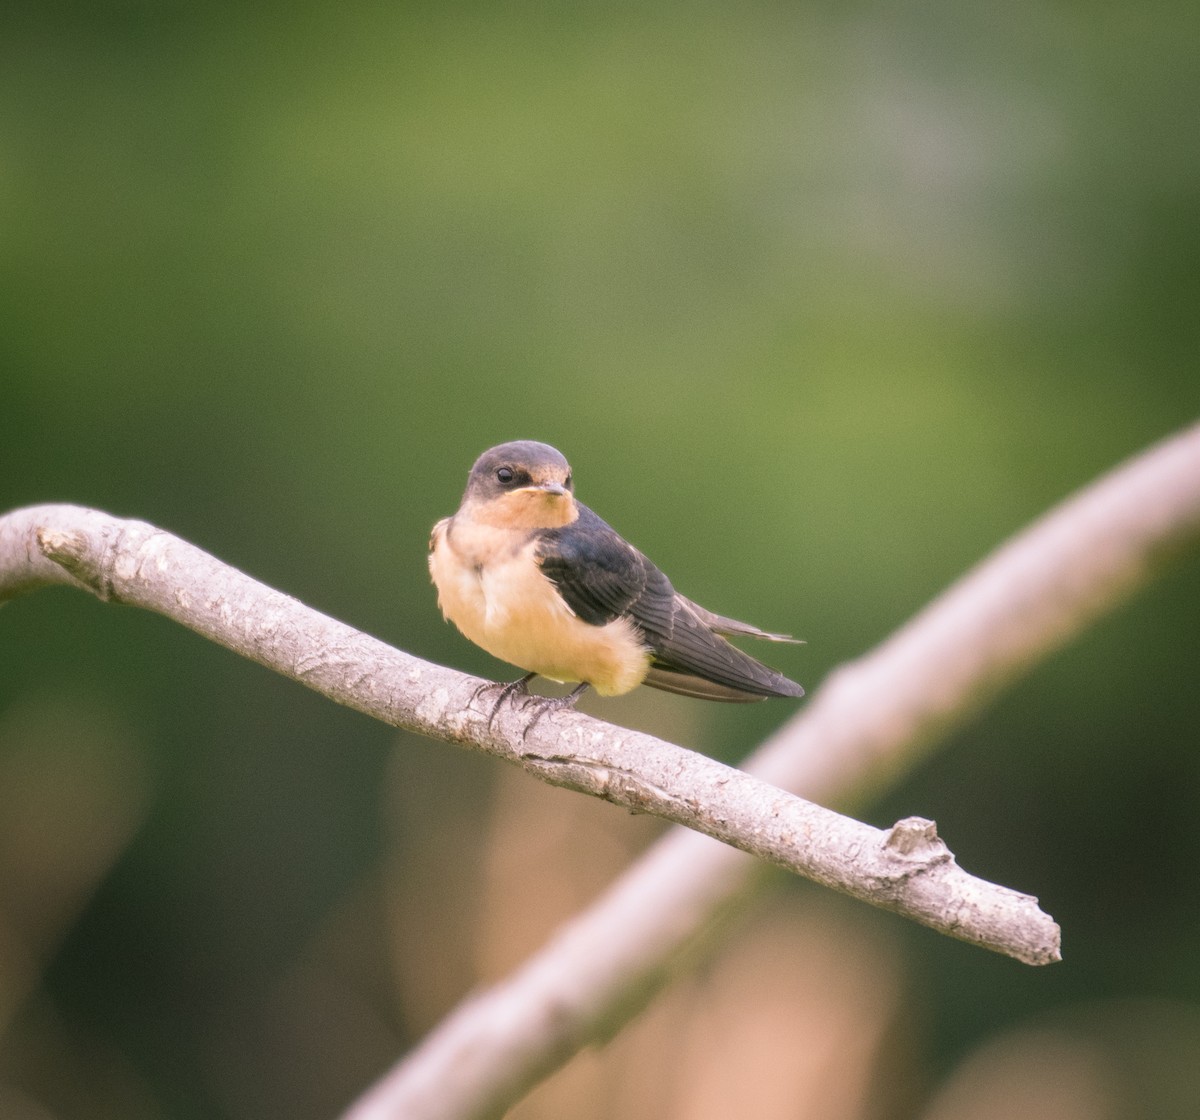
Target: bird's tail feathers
[(692, 649), (688, 684), (731, 628)]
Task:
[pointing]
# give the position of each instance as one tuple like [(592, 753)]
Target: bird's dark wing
[(598, 573), (602, 577)]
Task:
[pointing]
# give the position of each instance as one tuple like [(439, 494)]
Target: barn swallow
[(538, 580)]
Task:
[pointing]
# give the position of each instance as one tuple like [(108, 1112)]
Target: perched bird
[(538, 580)]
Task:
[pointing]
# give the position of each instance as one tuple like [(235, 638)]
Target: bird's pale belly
[(509, 608)]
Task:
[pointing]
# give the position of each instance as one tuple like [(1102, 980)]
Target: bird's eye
[(505, 475), (568, 484)]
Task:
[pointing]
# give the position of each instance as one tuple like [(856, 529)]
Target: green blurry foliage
[(822, 302)]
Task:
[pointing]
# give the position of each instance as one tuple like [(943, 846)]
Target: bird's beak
[(555, 488)]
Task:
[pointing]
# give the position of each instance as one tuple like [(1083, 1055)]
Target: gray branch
[(906, 869)]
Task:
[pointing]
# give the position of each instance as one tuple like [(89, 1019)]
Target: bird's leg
[(519, 687), (554, 704)]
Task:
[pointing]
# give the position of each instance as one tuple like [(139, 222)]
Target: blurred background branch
[(862, 727)]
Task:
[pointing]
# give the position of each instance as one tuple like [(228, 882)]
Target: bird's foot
[(547, 704), (519, 687)]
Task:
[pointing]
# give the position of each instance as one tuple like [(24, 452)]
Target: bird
[(534, 577)]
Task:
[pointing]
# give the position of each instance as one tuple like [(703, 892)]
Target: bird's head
[(521, 485)]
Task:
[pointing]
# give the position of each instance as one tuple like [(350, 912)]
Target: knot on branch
[(103, 554), (72, 550), (916, 839), (911, 851)]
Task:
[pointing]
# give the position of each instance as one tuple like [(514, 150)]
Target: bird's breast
[(491, 587)]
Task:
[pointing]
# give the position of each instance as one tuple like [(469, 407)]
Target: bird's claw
[(547, 704), (519, 687), (519, 690)]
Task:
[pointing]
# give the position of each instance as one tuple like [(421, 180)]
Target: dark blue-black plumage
[(602, 577)]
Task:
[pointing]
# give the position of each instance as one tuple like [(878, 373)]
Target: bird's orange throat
[(528, 508)]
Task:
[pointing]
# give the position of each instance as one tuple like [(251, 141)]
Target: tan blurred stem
[(868, 721)]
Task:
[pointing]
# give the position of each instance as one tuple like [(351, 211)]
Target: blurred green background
[(853, 291)]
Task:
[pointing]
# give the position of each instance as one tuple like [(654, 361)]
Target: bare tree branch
[(867, 723), (908, 869), (864, 725)]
